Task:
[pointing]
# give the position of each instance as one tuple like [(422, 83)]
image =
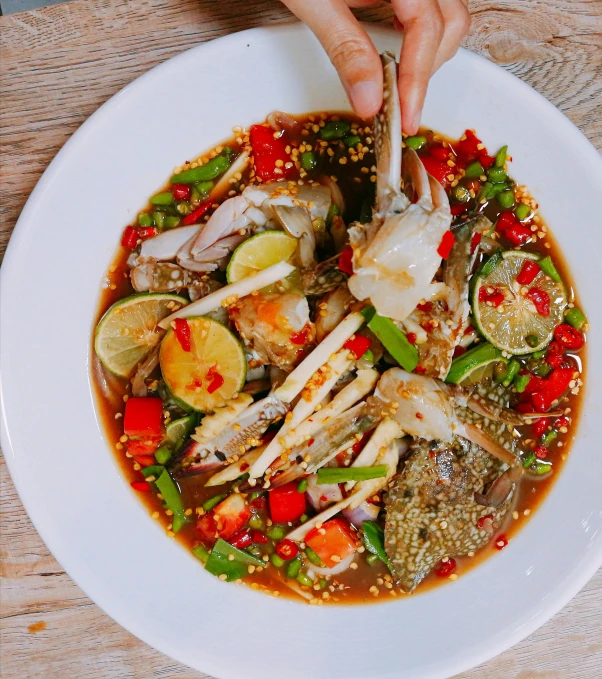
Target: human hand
[(433, 31)]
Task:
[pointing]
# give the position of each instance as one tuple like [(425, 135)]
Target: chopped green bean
[(172, 498), (204, 188), (170, 222), (256, 522), (255, 494), (372, 559), (543, 369), (368, 357), (576, 318), (328, 475), (201, 552), (145, 219), (529, 460), (520, 382), (351, 141), (416, 142), (461, 194), (293, 568), (549, 436), (162, 454), (539, 354), (159, 219), (277, 560), (474, 170), (212, 502), (210, 170), (335, 129), (500, 156), (302, 486), (505, 198), (522, 211), (495, 189), (313, 557), (152, 470), (547, 266), (323, 582), (500, 371), (541, 468), (496, 175), (513, 368), (304, 579), (303, 518), (276, 532), (484, 192), (394, 341), (163, 198), (309, 160)]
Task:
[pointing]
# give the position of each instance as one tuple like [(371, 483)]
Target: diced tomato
[(501, 542), (358, 345), (141, 486), (541, 301), (334, 541), (458, 209), (437, 169), (206, 529), (475, 242), (505, 221), (180, 191), (346, 260), (259, 538), (540, 426), (569, 337), (445, 568), (540, 451), (182, 333), (518, 234), (528, 273), (215, 380), (286, 503), (130, 238), (242, 539), (196, 215), (143, 416), (143, 449), (268, 151), (287, 549), (446, 245), (224, 521)]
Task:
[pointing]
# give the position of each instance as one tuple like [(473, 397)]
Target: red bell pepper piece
[(286, 503), (437, 169), (287, 549), (346, 260), (147, 232), (269, 154), (197, 213), (541, 301), (486, 160), (333, 542), (528, 273), (143, 416), (182, 333), (358, 345), (181, 191), (561, 421), (130, 238), (518, 234), (446, 245), (569, 337)]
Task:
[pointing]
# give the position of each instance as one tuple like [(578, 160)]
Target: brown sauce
[(352, 586)]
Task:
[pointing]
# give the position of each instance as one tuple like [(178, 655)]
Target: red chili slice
[(501, 542), (358, 345), (301, 336), (411, 337), (494, 298), (569, 337), (346, 260), (528, 273), (182, 333), (518, 234), (446, 245), (485, 523), (180, 191), (540, 451), (439, 152), (437, 169), (287, 549), (505, 221), (216, 380), (562, 421), (197, 213), (259, 538), (474, 242), (541, 301), (141, 486), (130, 238), (458, 208), (242, 539), (540, 426), (445, 568)]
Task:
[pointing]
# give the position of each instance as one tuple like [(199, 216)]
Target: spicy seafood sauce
[(352, 167)]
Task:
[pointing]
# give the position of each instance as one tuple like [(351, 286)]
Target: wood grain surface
[(57, 66)]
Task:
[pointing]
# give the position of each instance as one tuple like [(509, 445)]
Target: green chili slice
[(520, 382), (294, 568), (276, 532), (374, 540), (304, 579), (576, 318), (474, 170), (513, 368), (308, 160), (327, 475), (163, 198), (547, 266), (335, 129), (416, 142), (394, 341), (302, 486), (351, 141), (500, 156), (522, 211)]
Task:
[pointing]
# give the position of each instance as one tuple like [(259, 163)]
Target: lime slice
[(127, 332), (471, 367), (178, 431), (216, 357), (258, 253), (515, 326)]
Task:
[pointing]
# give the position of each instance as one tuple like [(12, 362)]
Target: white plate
[(59, 458)]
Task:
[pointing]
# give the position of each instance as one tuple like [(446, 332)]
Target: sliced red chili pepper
[(358, 345), (556, 360), (569, 337), (259, 503), (259, 538), (505, 221), (197, 213), (540, 426), (555, 347), (427, 307), (411, 337), (494, 298), (501, 542), (147, 232), (182, 333), (287, 549), (437, 169), (447, 243), (130, 238), (485, 523), (216, 380), (540, 451), (459, 350), (269, 154), (141, 486), (439, 152), (528, 273), (445, 568), (561, 421), (301, 336), (181, 191), (242, 539), (346, 260), (420, 369), (535, 384), (486, 160), (475, 242), (551, 389), (468, 149), (518, 234), (458, 209), (541, 301)]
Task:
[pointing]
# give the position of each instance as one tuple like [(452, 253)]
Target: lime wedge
[(208, 375), (127, 332), (178, 431), (472, 366), (258, 253), (515, 325)]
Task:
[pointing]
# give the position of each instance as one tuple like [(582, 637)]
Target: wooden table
[(58, 65)]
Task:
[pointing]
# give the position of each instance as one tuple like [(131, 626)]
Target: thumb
[(348, 47)]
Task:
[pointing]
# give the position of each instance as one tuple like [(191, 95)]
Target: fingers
[(348, 47), (457, 22), (424, 31)]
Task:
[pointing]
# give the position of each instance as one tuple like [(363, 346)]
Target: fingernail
[(366, 98)]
